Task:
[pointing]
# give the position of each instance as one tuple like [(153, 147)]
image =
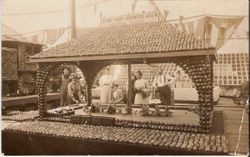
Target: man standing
[(64, 87), (106, 82), (74, 90), (162, 84)]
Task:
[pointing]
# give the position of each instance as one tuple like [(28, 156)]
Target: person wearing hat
[(117, 95), (74, 90), (64, 87), (105, 83)]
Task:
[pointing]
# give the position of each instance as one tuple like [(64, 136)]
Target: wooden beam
[(23, 100), (129, 103), (125, 56)]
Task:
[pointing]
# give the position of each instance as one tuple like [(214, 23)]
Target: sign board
[(151, 16)]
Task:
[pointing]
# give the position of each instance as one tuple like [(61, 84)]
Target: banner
[(226, 28), (182, 25), (200, 30), (191, 27)]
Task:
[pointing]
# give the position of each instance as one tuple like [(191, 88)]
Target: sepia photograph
[(125, 77)]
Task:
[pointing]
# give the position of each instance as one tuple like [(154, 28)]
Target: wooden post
[(129, 102), (73, 19)]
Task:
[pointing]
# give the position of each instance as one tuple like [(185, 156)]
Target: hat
[(65, 67), (74, 75)]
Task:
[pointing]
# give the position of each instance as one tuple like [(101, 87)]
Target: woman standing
[(141, 89), (106, 82)]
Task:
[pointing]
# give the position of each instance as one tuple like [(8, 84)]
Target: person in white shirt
[(106, 82), (162, 83), (141, 88)]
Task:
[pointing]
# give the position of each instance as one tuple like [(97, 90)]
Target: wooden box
[(86, 119), (75, 119), (96, 120), (108, 121)]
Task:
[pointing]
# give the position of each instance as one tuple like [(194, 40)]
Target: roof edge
[(211, 52), (8, 49), (22, 41)]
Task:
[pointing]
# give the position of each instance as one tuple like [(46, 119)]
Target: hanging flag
[(181, 19), (186, 27), (195, 24), (208, 29), (35, 38), (191, 27), (177, 26), (133, 8), (214, 35), (101, 19), (166, 12), (200, 30), (44, 37), (226, 28), (40, 37), (60, 31), (65, 37)]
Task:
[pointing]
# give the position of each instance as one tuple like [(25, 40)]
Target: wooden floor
[(232, 120)]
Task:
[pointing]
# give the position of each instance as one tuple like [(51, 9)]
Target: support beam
[(129, 103), (90, 70)]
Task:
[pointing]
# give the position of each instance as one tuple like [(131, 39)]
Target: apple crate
[(75, 119), (96, 120), (108, 121), (86, 119)]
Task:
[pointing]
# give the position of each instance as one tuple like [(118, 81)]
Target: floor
[(232, 121)]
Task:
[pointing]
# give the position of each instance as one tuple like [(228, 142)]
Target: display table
[(50, 138)]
